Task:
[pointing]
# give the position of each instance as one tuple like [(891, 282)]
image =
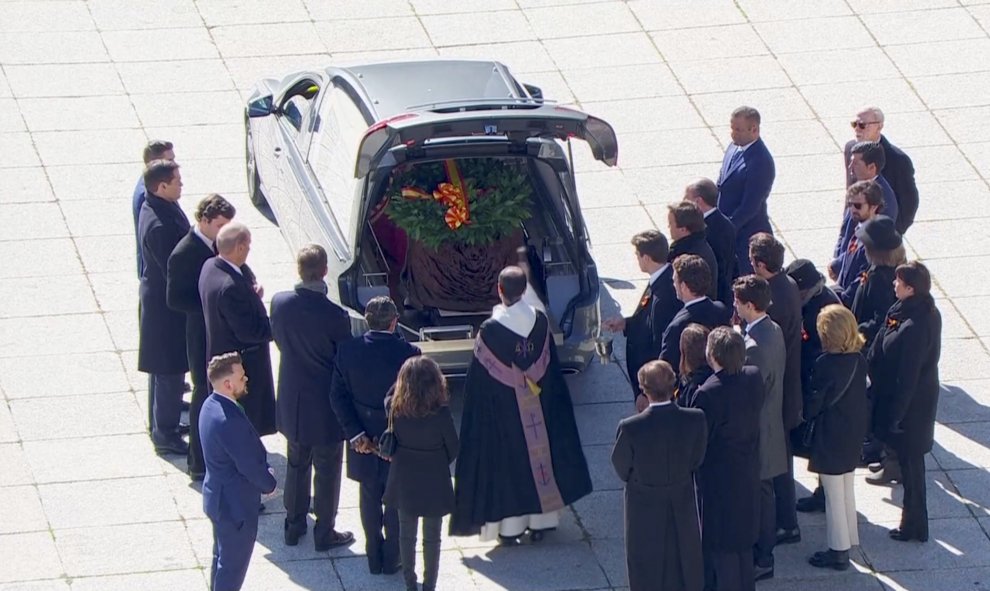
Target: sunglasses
[(855, 205), (862, 124)]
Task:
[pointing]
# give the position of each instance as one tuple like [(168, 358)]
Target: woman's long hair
[(694, 339), (420, 388)]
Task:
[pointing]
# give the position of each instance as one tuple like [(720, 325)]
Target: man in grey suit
[(765, 349)]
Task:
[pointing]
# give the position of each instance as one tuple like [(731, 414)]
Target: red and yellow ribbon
[(451, 195)]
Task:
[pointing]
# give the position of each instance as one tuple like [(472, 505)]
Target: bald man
[(236, 320)]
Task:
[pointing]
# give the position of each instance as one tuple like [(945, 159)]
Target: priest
[(521, 460)]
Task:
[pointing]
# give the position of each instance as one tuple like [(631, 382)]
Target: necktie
[(734, 159)]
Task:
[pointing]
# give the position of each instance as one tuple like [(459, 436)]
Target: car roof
[(394, 87)]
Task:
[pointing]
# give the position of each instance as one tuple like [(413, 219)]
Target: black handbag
[(803, 436), (387, 442)]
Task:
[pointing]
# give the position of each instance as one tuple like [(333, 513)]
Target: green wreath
[(498, 195)]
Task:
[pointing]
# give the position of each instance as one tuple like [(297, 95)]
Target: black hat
[(879, 233), (804, 273)]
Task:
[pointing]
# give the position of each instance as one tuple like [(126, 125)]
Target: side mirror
[(261, 106), (534, 91)]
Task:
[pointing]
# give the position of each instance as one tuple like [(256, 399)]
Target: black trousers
[(785, 494), (914, 515), (380, 524), (768, 525), (320, 464), (725, 571), (200, 391), (408, 524)]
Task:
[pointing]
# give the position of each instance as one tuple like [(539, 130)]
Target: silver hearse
[(325, 149)]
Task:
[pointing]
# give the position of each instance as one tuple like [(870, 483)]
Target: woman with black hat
[(904, 373), (875, 291)]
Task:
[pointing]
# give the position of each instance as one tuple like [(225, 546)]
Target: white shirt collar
[(695, 301), (656, 274), (706, 214), (652, 404), (202, 236), (520, 317), (232, 265), (743, 148), (230, 398), (750, 326)]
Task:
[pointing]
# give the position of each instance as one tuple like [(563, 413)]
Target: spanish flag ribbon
[(451, 195)]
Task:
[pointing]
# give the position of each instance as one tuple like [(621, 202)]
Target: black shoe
[(834, 559), (293, 533), (175, 447), (884, 477), (183, 429), (906, 536), (812, 504), (334, 539), (788, 536), (508, 540), (196, 476), (536, 536), (875, 467), (762, 573)]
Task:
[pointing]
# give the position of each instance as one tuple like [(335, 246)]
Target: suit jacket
[(721, 236), (644, 329), (898, 170), (840, 423), (162, 343), (904, 375), (236, 462), (184, 267), (419, 475), (307, 328), (705, 312), (729, 479), (697, 244), (874, 296), (364, 370), (656, 455), (765, 350), (743, 189), (236, 320), (785, 310)]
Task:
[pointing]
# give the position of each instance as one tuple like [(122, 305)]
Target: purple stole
[(524, 383)]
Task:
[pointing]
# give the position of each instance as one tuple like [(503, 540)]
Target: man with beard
[(864, 201), (521, 460)]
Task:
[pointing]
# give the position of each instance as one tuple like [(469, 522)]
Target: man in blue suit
[(365, 369), (744, 182), (307, 328), (237, 473), (864, 201)]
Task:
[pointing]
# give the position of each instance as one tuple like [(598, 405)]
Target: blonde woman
[(838, 408), (419, 478)]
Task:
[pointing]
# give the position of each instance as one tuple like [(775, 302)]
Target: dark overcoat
[(721, 236), (656, 454), (687, 386), (419, 477), (811, 343), (236, 320), (707, 313), (162, 333), (874, 296), (184, 267), (697, 244), (785, 310), (904, 375), (365, 369), (839, 427), (644, 329), (729, 478), (307, 327), (899, 172)]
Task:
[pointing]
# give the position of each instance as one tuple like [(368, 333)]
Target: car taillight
[(384, 122)]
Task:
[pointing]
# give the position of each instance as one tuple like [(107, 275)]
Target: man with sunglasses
[(898, 169), (864, 200)]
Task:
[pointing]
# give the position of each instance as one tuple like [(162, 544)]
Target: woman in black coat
[(419, 477), (839, 411), (875, 290), (904, 375), (694, 369)]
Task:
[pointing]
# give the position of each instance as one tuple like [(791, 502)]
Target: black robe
[(493, 477), (663, 533)]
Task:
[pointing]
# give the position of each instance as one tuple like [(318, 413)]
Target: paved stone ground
[(84, 502)]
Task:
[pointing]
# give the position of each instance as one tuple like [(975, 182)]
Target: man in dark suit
[(744, 182), (162, 344), (236, 320), (767, 258), (663, 535), (182, 295), (307, 328), (897, 169), (864, 202), (237, 473), (720, 234), (692, 278), (365, 369), (154, 150), (687, 230), (654, 311), (866, 162), (765, 350)]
